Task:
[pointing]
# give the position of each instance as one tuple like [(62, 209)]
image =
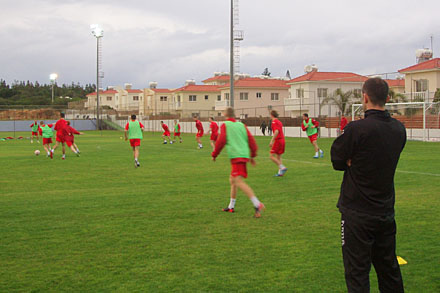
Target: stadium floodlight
[(53, 77), (98, 32)]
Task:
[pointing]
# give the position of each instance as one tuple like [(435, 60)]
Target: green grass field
[(96, 223)]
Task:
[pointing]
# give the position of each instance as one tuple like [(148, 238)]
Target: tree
[(343, 100), (266, 72)]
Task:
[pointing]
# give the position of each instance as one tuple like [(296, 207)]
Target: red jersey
[(128, 124), (344, 122), (68, 132), (178, 129), (277, 125), (214, 127), (59, 126), (221, 142), (199, 126), (165, 127)]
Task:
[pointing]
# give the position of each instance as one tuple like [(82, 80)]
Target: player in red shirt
[(242, 148), (46, 141), (310, 125), (277, 143), (68, 135), (199, 134), (35, 130), (59, 126), (166, 133), (177, 131), (213, 129), (344, 122)]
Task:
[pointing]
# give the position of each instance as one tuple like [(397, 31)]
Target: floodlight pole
[(231, 60), (98, 125)]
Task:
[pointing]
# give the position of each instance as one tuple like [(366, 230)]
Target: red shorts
[(47, 140), (278, 147), (69, 143), (166, 133), (35, 133), (313, 137), (176, 133), (239, 169), (199, 134), (214, 136), (60, 138), (135, 142)]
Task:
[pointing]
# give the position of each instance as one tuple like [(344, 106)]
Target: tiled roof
[(135, 91), (103, 93), (198, 88), (329, 76), (395, 82), (215, 78), (255, 82), (430, 64)]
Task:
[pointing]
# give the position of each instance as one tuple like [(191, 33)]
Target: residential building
[(118, 98), (308, 91), (422, 80), (397, 85), (157, 101), (193, 99), (254, 96)]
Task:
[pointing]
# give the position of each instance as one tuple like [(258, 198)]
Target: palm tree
[(395, 98), (343, 100)]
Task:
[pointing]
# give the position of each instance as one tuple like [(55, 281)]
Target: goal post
[(421, 119)]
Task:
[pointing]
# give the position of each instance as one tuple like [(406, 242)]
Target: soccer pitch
[(95, 223)]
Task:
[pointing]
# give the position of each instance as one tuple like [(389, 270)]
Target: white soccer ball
[(37, 152)]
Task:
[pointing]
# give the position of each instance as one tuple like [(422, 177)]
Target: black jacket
[(374, 145)]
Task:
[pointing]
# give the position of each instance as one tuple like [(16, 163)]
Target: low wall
[(23, 125)]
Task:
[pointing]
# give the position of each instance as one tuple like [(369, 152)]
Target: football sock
[(282, 166), (320, 151), (255, 201), (316, 154), (232, 203), (64, 156)]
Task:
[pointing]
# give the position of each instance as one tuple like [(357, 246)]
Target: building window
[(163, 98), (274, 96), (135, 98), (206, 97), (300, 93), (357, 92), (219, 97), (226, 96), (244, 96), (109, 98), (322, 92), (192, 98), (243, 116), (219, 114), (421, 85), (259, 95)]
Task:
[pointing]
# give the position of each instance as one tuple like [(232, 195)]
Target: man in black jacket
[(368, 152)]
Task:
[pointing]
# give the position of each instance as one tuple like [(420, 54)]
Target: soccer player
[(213, 128), (59, 126), (166, 134), (35, 129), (199, 134), (133, 131), (177, 131), (241, 148), (310, 125), (277, 143), (69, 137), (46, 133), (343, 123), (368, 152)]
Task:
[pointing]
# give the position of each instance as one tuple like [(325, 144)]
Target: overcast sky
[(169, 41)]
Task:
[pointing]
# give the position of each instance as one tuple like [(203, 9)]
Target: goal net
[(421, 119)]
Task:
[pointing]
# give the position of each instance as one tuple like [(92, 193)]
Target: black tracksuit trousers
[(370, 239)]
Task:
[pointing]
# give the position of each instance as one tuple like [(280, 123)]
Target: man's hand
[(313, 126), (253, 163), (349, 162)]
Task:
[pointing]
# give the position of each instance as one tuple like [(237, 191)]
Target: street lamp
[(53, 77), (98, 33)]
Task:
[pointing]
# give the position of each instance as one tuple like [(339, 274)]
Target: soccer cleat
[(278, 175), (283, 171), (138, 164), (63, 158), (259, 210), (77, 154), (321, 154), (316, 156), (228, 210), (171, 142), (164, 142)]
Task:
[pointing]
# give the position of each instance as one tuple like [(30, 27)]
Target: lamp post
[(53, 77), (98, 33)]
